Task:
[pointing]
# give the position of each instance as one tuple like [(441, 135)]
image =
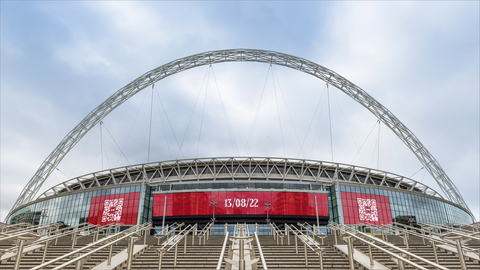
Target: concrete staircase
[(285, 257), (445, 258), (206, 256), (197, 256), (63, 247)]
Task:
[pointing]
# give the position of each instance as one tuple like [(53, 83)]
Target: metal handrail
[(312, 244), (277, 233), (49, 237), (173, 242), (260, 252), (222, 253), (204, 233), (168, 229), (16, 233), (361, 237), (449, 228), (311, 228), (308, 242), (456, 231), (110, 240), (433, 236), (176, 238), (314, 231), (6, 226)]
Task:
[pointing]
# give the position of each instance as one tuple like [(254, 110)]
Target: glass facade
[(70, 209), (406, 205), (358, 203)]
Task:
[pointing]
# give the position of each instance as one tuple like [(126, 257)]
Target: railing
[(203, 234), (277, 233), (260, 252), (474, 227), (371, 240), (90, 249), (314, 231), (32, 240), (222, 253), (33, 229), (238, 257), (307, 242), (4, 227), (173, 243), (445, 230), (450, 238), (169, 229)]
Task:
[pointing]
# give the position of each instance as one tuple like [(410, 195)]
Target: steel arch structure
[(240, 55)]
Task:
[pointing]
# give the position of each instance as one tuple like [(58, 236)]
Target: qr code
[(112, 210), (367, 209)]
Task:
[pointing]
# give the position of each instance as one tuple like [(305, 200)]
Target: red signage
[(366, 208), (118, 208), (240, 203)]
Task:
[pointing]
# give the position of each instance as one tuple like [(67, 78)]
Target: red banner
[(240, 203), (118, 208), (366, 208)]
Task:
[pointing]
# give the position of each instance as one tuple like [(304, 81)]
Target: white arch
[(240, 55)]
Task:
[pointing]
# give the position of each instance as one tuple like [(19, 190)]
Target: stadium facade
[(237, 189)]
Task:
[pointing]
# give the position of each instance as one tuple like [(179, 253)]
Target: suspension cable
[(101, 145), (229, 128), (203, 113), (133, 125), (170, 124), (68, 177), (191, 115), (121, 152), (278, 113), (164, 129), (330, 122), (274, 74), (150, 128), (318, 122), (378, 154), (311, 122), (398, 152), (348, 126), (252, 129), (81, 154), (376, 145), (361, 146)]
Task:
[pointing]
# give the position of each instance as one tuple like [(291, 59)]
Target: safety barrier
[(172, 242), (109, 241)]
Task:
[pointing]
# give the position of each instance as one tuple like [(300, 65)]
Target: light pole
[(267, 205), (213, 203)]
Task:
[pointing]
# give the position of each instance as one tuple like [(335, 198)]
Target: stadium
[(215, 193)]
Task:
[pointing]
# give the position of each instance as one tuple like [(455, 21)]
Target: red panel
[(114, 209), (240, 203), (366, 208)]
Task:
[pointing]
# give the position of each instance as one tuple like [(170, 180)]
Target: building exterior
[(241, 190)]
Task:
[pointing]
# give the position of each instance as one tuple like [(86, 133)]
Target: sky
[(61, 59)]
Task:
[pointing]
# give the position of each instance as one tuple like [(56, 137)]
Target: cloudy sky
[(59, 60)]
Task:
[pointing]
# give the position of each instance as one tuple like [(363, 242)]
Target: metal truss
[(240, 55), (239, 169)]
